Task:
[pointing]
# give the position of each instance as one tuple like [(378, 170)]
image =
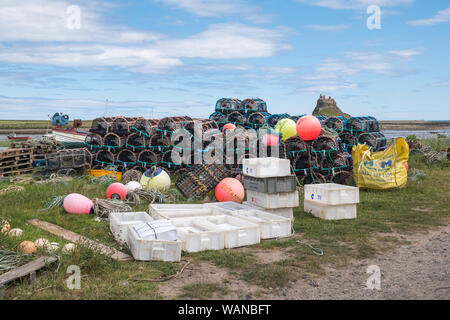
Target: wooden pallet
[(17, 172), (11, 153), (27, 269)]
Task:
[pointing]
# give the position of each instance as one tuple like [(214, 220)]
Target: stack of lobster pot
[(270, 185)]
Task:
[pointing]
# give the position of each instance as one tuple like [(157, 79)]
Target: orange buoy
[(230, 189), (27, 247), (308, 128), (116, 191), (229, 127)]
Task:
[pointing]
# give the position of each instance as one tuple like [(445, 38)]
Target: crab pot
[(296, 118), (237, 118), (253, 105), (294, 147), (274, 118), (304, 162), (112, 142), (122, 126), (375, 140), (198, 180), (66, 159), (159, 142), (226, 105), (101, 126), (136, 143), (144, 127), (147, 159), (94, 141), (218, 117), (104, 158), (340, 160), (313, 178), (202, 125), (362, 124), (126, 159), (167, 163), (343, 177), (335, 123), (171, 124), (324, 144), (257, 119), (348, 140)]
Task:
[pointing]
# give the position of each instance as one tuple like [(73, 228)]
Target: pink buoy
[(230, 189), (229, 127), (407, 166), (308, 128), (271, 139), (116, 191), (75, 203)]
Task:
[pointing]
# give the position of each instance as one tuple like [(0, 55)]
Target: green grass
[(6, 143), (33, 124), (416, 208)]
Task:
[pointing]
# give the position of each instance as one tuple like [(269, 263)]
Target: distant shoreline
[(410, 125)]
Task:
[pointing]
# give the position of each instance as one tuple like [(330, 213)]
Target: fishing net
[(122, 125), (218, 117), (131, 175), (335, 123), (104, 158), (313, 178), (362, 124), (159, 142), (126, 159), (253, 105), (274, 118), (237, 118), (145, 127), (71, 158), (170, 124), (257, 119), (347, 141), (93, 141), (343, 177), (101, 126), (375, 140), (295, 146), (225, 105)]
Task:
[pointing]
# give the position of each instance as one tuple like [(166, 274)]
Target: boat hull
[(70, 138)]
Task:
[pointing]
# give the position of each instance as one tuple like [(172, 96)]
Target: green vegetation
[(329, 112), (34, 124), (5, 143), (382, 216)]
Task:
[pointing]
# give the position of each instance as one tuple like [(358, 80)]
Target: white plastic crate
[(173, 211), (330, 212), (266, 167), (119, 222), (273, 201), (282, 212), (271, 226), (197, 237), (237, 232), (153, 250), (331, 193), (156, 230)]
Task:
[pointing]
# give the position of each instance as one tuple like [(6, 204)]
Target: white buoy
[(68, 248), (133, 186), (40, 243), (15, 233)]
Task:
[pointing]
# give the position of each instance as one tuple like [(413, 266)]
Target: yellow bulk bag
[(381, 170)]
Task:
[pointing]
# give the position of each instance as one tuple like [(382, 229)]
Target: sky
[(157, 58)]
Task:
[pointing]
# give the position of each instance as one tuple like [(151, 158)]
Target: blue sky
[(156, 58)]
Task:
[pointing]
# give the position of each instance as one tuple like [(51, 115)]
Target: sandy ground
[(419, 270)]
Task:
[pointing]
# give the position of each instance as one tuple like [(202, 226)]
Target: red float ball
[(229, 127), (308, 128), (230, 189), (407, 166), (271, 139), (116, 191)]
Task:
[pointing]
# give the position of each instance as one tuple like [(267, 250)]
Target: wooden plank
[(17, 172), (26, 269), (76, 238)]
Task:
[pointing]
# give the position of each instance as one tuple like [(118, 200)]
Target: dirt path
[(419, 270)]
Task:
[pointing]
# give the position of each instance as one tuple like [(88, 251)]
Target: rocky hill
[(328, 107)]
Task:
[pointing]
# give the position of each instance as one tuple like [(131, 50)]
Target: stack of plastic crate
[(270, 186)]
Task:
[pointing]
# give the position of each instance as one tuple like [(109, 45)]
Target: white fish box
[(153, 250), (282, 212), (271, 226), (237, 232), (156, 230), (197, 237), (273, 201), (266, 167), (173, 211), (120, 221), (331, 193), (329, 212)]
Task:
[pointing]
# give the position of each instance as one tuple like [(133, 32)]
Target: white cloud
[(328, 27), (355, 4), (441, 16), (406, 53)]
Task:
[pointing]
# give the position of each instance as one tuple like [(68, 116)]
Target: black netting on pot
[(112, 142), (343, 177), (347, 140), (237, 118), (93, 142), (170, 124), (147, 159), (218, 117), (126, 159), (136, 143), (274, 118), (159, 142), (335, 123), (226, 105), (362, 124), (101, 126), (375, 140), (104, 158), (144, 127), (253, 105), (257, 119)]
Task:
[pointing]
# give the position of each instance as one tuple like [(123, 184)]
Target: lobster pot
[(159, 142), (375, 140), (343, 177), (201, 125), (347, 141), (93, 142), (237, 118), (170, 124), (274, 118), (136, 143), (296, 118), (104, 158), (144, 127), (304, 163), (218, 117), (241, 140), (331, 164), (257, 119), (168, 163), (324, 144), (362, 124), (295, 147), (112, 142), (126, 159), (253, 105), (336, 123), (276, 151), (147, 159), (122, 126), (313, 178), (226, 105), (322, 119), (101, 126), (198, 180), (68, 159)]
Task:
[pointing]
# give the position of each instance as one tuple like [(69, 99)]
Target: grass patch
[(230, 259), (34, 124), (203, 291)]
